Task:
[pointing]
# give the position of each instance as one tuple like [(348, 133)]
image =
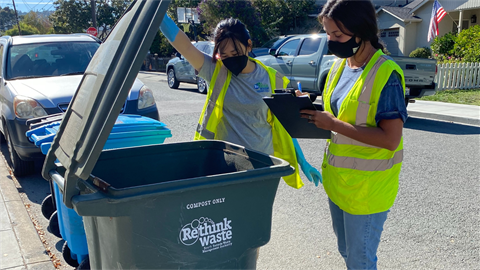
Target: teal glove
[(169, 28), (312, 174)]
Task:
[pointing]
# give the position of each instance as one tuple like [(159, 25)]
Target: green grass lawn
[(469, 97)]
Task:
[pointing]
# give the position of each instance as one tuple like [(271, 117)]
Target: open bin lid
[(102, 92)]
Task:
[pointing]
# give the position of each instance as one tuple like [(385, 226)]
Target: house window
[(383, 34), (394, 33)]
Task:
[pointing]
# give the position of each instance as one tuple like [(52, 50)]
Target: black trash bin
[(191, 205)]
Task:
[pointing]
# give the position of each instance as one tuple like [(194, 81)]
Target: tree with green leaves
[(72, 16), (41, 23), (213, 11), (27, 29), (7, 18)]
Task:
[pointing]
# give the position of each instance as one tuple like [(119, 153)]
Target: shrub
[(444, 45), (424, 52), (467, 45), (25, 28)]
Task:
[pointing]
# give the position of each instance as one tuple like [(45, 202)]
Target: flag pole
[(449, 16)]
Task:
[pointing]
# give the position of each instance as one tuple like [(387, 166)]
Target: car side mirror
[(272, 52), (177, 54)]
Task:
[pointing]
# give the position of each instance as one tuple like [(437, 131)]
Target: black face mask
[(345, 49), (236, 63)]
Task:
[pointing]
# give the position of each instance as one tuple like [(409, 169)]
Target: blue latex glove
[(169, 28), (312, 174)]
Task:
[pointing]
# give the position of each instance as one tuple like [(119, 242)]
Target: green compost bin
[(192, 205), (196, 205)]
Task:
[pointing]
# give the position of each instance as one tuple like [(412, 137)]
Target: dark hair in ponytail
[(232, 29), (356, 16)]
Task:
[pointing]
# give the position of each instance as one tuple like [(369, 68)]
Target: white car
[(39, 75)]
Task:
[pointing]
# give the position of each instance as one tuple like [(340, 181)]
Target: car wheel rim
[(171, 77)]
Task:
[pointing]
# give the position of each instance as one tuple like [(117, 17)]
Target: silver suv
[(39, 75), (179, 69)]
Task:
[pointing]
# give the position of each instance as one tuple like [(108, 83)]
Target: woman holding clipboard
[(365, 110)]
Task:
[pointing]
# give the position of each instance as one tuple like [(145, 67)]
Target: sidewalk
[(458, 113), (22, 248), (20, 244)]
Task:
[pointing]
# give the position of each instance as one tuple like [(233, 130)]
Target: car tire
[(201, 85), (19, 167), (172, 80)]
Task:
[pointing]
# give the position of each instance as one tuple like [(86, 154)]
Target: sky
[(29, 5)]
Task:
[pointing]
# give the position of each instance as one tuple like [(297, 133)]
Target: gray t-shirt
[(244, 119)]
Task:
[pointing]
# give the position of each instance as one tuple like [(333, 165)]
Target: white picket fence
[(458, 76)]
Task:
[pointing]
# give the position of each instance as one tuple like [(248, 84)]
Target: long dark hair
[(232, 29), (356, 16)]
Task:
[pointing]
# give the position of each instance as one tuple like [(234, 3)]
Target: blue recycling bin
[(128, 131)]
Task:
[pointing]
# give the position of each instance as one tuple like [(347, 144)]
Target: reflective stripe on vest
[(369, 165), (214, 94)]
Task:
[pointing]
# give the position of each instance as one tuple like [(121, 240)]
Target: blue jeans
[(358, 236)]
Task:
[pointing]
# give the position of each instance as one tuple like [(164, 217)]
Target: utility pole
[(94, 14), (16, 15)]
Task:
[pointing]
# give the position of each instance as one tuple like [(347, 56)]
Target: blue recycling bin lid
[(128, 131)]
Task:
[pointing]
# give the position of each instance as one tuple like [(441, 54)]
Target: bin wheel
[(48, 207), (67, 255), (53, 225), (85, 264)]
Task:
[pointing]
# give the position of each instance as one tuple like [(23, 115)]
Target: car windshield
[(49, 59)]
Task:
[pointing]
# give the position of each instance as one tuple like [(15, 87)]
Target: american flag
[(437, 15)]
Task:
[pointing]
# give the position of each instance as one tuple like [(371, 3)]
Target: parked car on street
[(180, 70), (306, 58), (271, 46), (39, 75)]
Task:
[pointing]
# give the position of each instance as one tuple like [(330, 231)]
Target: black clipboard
[(286, 107)]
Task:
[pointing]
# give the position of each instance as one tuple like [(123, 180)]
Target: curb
[(448, 118)]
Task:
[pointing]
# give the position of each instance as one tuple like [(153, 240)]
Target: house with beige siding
[(405, 28), (404, 24)]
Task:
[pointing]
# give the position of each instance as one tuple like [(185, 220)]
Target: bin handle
[(58, 179)]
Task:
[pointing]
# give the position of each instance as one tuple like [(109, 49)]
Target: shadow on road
[(441, 127)]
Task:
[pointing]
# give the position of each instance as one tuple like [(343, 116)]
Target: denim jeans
[(358, 236)]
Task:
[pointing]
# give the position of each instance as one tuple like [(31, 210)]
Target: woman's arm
[(387, 135), (181, 43)]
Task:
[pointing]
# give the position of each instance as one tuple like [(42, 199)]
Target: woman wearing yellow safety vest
[(365, 110), (234, 110)]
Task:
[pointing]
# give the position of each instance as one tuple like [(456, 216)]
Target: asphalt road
[(434, 223)]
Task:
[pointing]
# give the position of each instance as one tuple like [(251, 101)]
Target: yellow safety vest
[(361, 179), (213, 112)]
